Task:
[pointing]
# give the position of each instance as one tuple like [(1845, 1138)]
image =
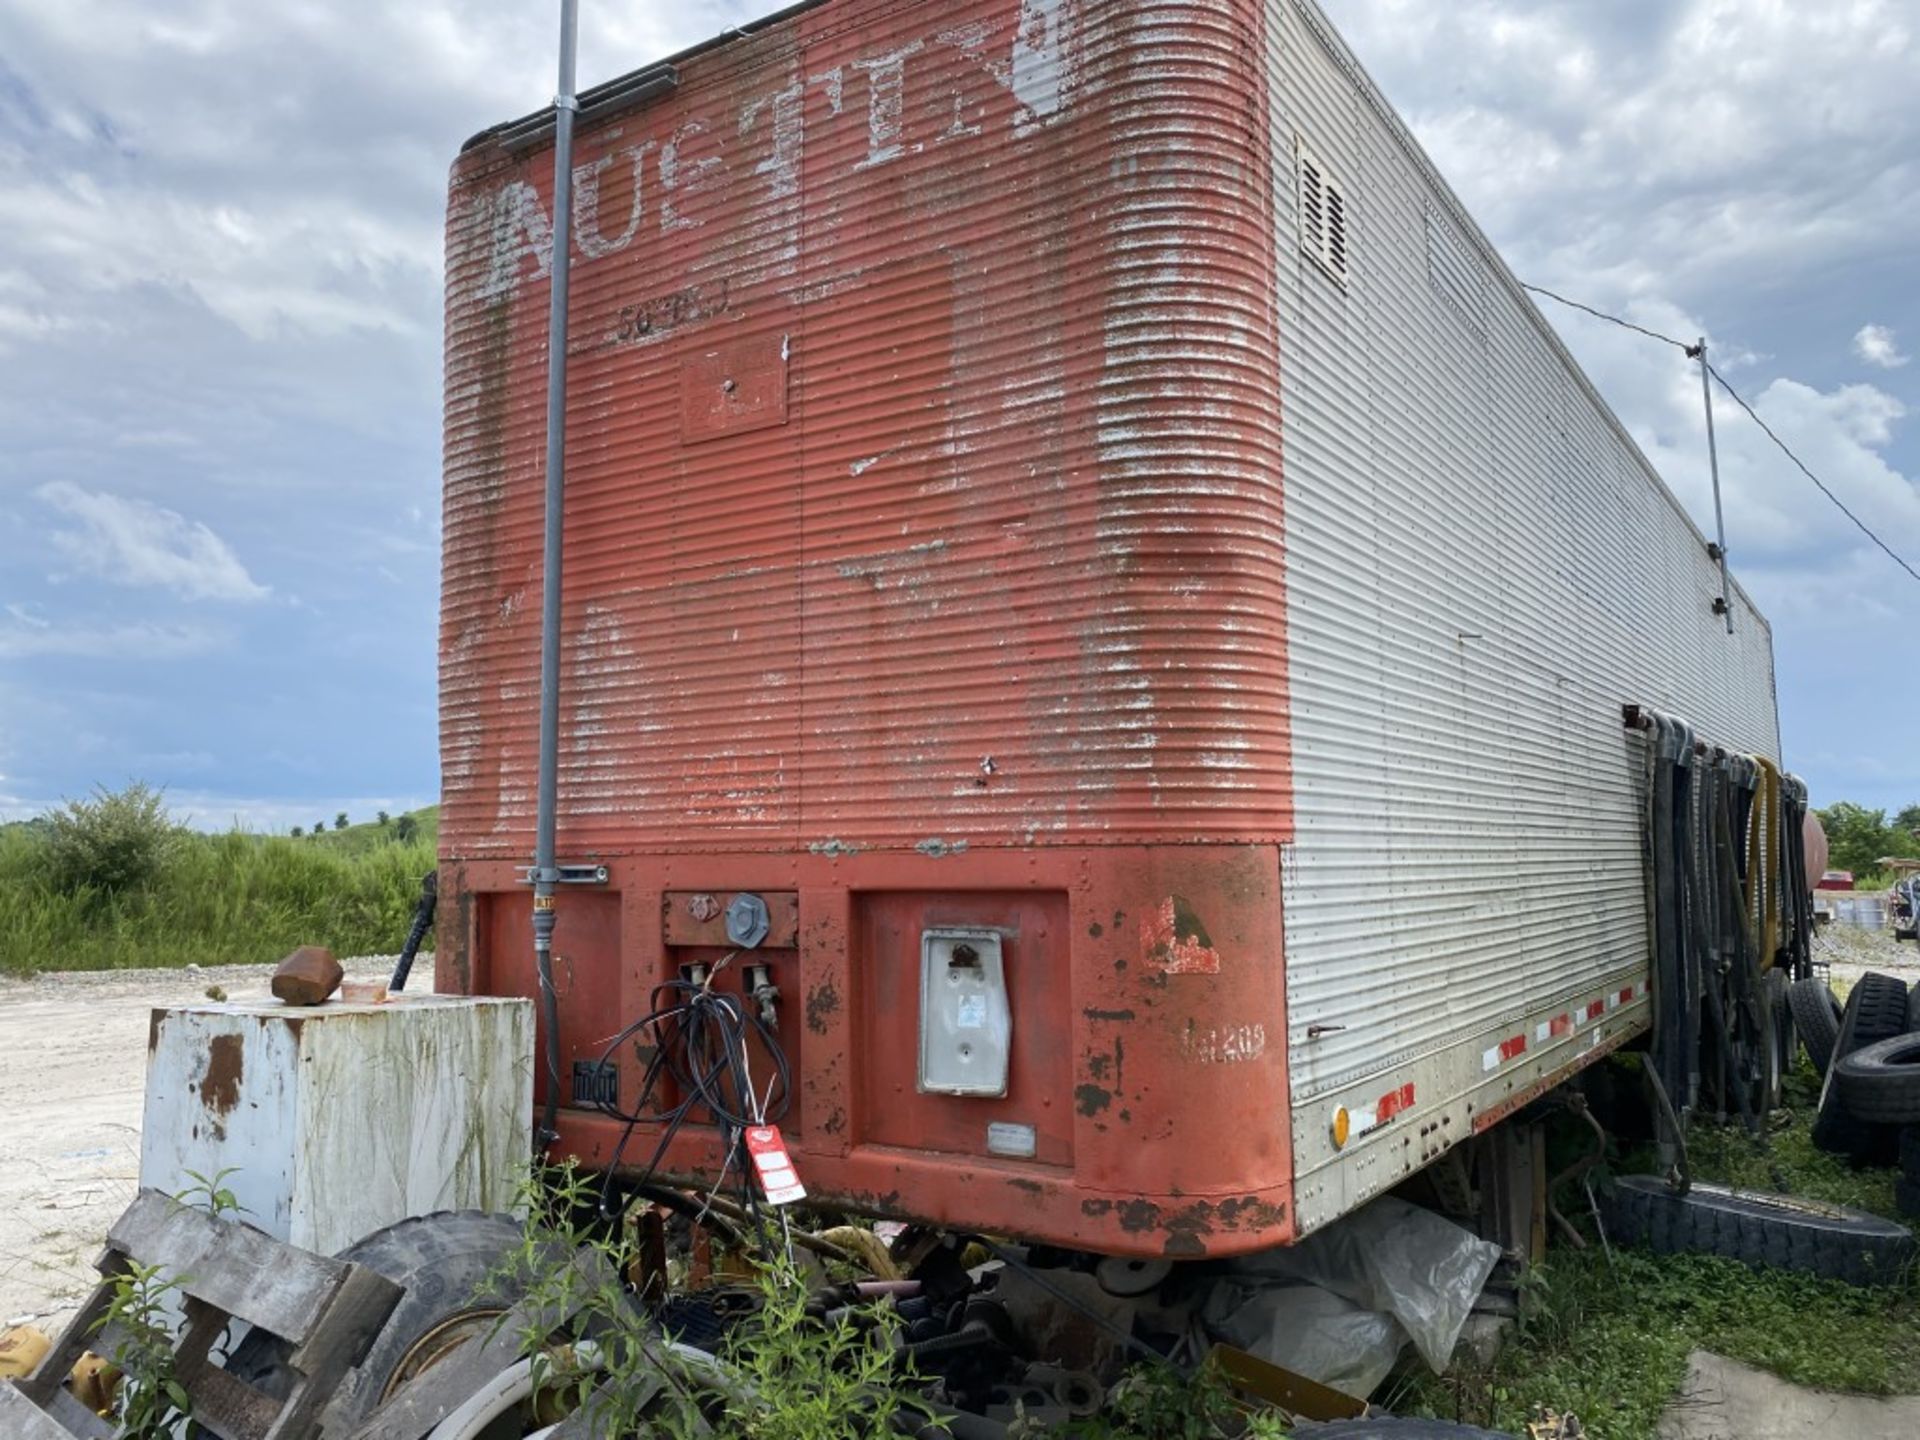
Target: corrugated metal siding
[(1009, 569), (1482, 571)]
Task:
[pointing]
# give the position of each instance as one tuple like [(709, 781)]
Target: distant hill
[(368, 834)]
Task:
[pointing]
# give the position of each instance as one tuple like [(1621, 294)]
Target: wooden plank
[(231, 1266), (54, 1367), (21, 1419), (339, 1343), (431, 1397), (231, 1408), (77, 1418)]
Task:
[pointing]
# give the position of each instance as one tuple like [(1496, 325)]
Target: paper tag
[(971, 1013), (771, 1163)]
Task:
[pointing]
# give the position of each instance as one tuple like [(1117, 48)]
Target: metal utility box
[(1071, 472), (333, 1121)]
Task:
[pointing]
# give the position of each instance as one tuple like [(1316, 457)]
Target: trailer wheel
[(1881, 1083), (1816, 1018), (440, 1263), (1780, 1231)]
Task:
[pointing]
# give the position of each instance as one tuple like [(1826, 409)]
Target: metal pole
[(546, 872), (1699, 352)]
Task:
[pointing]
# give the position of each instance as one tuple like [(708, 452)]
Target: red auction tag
[(774, 1167)]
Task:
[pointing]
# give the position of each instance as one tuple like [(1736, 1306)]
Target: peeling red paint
[(1172, 937)]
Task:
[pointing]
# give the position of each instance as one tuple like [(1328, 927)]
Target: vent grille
[(596, 1083), (1457, 275), (1323, 216)]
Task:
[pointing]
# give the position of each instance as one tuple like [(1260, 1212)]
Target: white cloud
[(1876, 345), (135, 543), (25, 634)]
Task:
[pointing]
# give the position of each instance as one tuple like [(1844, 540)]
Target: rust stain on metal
[(1090, 1100), (220, 1085), (925, 431), (822, 1001)]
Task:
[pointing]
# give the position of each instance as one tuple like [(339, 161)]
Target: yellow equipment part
[(22, 1348)]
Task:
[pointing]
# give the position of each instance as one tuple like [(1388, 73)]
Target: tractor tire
[(1815, 1020), (1777, 1231), (1881, 1084), (1913, 1009), (440, 1262)]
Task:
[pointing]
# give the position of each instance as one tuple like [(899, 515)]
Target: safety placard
[(771, 1163)]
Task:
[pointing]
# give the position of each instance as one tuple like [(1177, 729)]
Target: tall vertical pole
[(1699, 352), (546, 873)]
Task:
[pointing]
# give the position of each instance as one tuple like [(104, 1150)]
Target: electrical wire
[(699, 1038), (1839, 505), (1693, 352), (1611, 319)]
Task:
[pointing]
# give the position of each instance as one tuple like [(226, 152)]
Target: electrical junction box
[(966, 1025), (333, 1121)]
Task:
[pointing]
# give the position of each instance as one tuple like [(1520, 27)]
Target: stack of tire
[(1868, 1056)]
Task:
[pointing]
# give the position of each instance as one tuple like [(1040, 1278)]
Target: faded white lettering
[(683, 180), (586, 202), (887, 103)]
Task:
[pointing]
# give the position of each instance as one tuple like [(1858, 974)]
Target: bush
[(111, 845), (224, 899)]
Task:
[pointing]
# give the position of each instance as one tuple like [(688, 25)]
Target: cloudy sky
[(219, 343)]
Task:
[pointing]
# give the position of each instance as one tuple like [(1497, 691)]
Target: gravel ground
[(1852, 953), (73, 1050)]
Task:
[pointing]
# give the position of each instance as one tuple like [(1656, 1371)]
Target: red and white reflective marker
[(772, 1164)]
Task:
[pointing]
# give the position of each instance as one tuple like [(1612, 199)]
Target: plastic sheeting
[(1339, 1305)]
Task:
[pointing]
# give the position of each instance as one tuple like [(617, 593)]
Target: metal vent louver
[(1323, 216)]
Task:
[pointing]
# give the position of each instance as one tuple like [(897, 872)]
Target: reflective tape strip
[(1394, 1102), (1510, 1048)]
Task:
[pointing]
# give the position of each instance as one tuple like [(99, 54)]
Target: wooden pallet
[(328, 1312)]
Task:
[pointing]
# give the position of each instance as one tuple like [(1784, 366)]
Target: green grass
[(1608, 1338), (225, 899)]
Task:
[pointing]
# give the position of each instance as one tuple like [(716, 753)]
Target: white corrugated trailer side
[(1483, 569)]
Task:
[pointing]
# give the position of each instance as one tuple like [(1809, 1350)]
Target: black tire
[(1883, 1012), (1881, 1083), (440, 1261), (1913, 1009), (1906, 1197), (1392, 1427), (1778, 1231), (1910, 1152), (1814, 1021), (1835, 1127)]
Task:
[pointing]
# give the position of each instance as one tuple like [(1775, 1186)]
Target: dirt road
[(73, 1054)]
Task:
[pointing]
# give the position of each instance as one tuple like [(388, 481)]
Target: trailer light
[(1342, 1127)]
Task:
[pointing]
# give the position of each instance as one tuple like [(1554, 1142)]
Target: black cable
[(699, 1039), (1739, 400), (1611, 319), (1838, 504)]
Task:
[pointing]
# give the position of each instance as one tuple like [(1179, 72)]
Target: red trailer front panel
[(925, 575)]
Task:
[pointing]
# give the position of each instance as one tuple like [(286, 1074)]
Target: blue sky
[(220, 348)]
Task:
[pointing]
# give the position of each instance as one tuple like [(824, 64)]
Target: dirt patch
[(73, 1068)]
